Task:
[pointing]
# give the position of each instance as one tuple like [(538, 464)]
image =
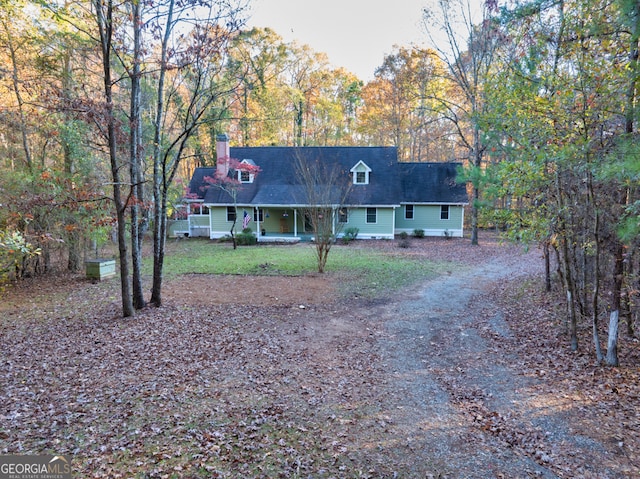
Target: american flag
[(245, 219)]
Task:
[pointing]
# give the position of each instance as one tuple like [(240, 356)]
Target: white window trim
[(228, 211), (250, 180), (366, 216), (413, 212), (358, 169), (239, 172)]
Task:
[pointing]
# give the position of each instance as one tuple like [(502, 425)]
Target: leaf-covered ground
[(468, 375)]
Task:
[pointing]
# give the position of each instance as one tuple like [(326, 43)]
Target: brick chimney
[(222, 155)]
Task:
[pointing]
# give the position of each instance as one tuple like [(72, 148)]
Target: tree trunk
[(15, 78), (135, 165), (233, 227), (74, 238), (105, 26), (595, 312), (629, 297), (160, 238), (571, 296), (477, 163), (567, 274), (299, 122), (616, 295), (618, 269), (474, 215), (631, 112), (159, 173), (612, 343), (595, 293), (547, 266)]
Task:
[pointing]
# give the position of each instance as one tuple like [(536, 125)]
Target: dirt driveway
[(434, 383), (457, 402)]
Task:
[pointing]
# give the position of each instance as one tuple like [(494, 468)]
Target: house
[(385, 197)]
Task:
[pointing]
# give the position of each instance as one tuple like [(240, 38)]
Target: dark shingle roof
[(390, 182), (196, 184), (431, 183)]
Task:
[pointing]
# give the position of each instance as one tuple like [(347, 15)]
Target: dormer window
[(244, 176), (361, 173)]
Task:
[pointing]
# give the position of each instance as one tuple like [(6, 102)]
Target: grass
[(362, 272)]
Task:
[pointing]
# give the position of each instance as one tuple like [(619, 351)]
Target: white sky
[(355, 34)]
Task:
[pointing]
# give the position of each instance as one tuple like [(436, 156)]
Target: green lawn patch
[(361, 272)]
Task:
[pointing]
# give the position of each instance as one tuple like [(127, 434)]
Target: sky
[(355, 34)]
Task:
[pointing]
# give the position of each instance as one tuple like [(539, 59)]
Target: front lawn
[(370, 269)]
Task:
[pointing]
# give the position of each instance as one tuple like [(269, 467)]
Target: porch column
[(210, 222), (393, 224), (256, 212), (295, 222), (333, 222)]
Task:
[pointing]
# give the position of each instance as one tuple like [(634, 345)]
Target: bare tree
[(177, 50), (105, 23), (139, 214), (324, 190), (186, 89), (469, 52)]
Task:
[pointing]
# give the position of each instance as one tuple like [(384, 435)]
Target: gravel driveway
[(455, 407)]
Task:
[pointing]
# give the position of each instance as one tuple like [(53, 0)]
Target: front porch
[(278, 224), (269, 225)]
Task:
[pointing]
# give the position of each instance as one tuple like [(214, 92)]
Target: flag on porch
[(245, 219)]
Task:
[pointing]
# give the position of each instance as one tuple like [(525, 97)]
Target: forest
[(107, 107)]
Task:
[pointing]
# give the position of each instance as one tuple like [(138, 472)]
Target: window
[(408, 212), (231, 214), (258, 215), (372, 215), (245, 173), (199, 209), (360, 174), (444, 212), (343, 215)]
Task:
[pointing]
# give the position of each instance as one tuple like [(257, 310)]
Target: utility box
[(100, 268)]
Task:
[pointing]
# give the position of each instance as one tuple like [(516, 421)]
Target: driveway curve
[(454, 406)]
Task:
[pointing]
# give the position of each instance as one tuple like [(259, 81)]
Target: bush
[(418, 233), (246, 238), (349, 235), (14, 250), (404, 240)]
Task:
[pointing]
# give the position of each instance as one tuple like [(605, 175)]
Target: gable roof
[(390, 182)]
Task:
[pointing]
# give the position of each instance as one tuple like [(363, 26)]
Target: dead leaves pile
[(602, 402), (180, 391)]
